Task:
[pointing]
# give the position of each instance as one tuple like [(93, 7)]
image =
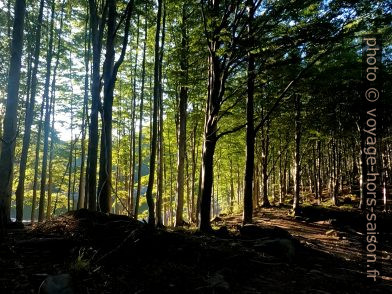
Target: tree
[(221, 22), (110, 70), (52, 109), (250, 135), (139, 165), (182, 111), (41, 211), (297, 165), (82, 179), (149, 197), (97, 26), (29, 118), (161, 158), (132, 148), (10, 119)]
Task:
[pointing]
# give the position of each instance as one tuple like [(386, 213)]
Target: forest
[(195, 146)]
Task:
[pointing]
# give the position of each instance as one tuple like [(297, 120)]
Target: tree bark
[(250, 132), (182, 111), (133, 132), (52, 109), (82, 178), (193, 176), (159, 222), (207, 177), (297, 154), (149, 196), (264, 160), (10, 119), (29, 119), (139, 166), (110, 74), (105, 162), (217, 75), (41, 211), (97, 25)]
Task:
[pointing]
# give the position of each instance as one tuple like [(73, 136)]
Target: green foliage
[(289, 35)]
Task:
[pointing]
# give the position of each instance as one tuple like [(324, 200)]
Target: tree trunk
[(159, 222), (207, 176), (264, 158), (193, 176), (36, 162), (231, 203), (171, 181), (52, 109), (139, 166), (82, 179), (110, 74), (149, 196), (51, 155), (133, 132), (250, 132), (97, 25), (105, 162), (29, 119), (297, 154), (10, 119), (217, 75), (182, 120), (315, 174), (319, 179), (41, 211), (337, 157)]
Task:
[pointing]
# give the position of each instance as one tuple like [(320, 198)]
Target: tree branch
[(236, 129)]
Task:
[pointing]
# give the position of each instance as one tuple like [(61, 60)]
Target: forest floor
[(90, 252)]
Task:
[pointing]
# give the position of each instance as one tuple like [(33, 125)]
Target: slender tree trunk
[(51, 155), (231, 203), (193, 177), (10, 119), (105, 162), (280, 172), (297, 154), (160, 127), (41, 211), (149, 196), (70, 176), (217, 74), (207, 177), (319, 179), (250, 132), (285, 185), (337, 159), (171, 181), (160, 168), (110, 75), (29, 118), (18, 197), (209, 141), (97, 25), (315, 174), (139, 166), (82, 179), (133, 133), (52, 109), (36, 162), (74, 176), (265, 158), (183, 101)]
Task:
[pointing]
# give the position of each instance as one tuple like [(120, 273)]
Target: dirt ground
[(90, 252)]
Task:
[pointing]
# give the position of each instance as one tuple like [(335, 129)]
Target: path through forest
[(336, 232), (91, 252)]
